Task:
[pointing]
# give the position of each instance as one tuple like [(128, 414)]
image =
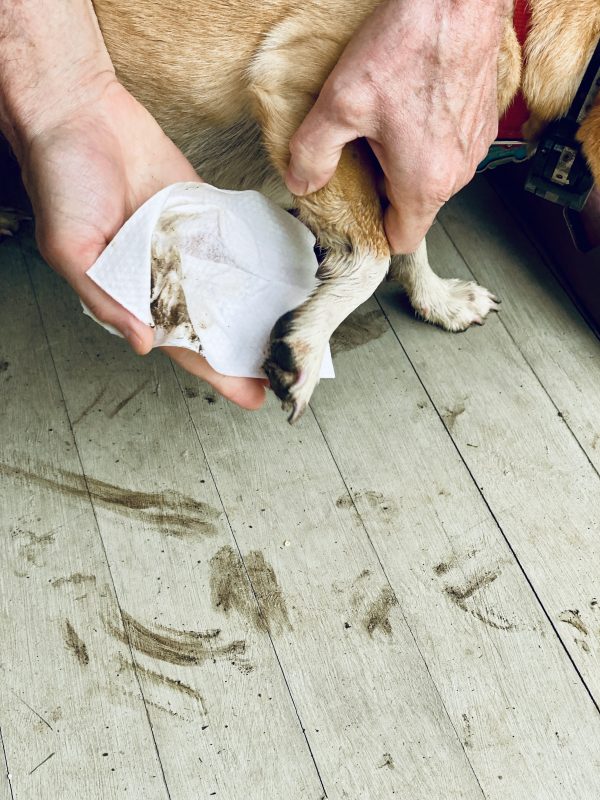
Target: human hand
[(86, 174), (90, 155), (419, 81)]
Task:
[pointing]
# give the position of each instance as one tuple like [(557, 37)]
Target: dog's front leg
[(347, 219)]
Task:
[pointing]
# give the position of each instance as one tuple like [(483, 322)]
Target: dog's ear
[(589, 136)]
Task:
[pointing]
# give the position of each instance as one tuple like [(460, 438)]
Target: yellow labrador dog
[(231, 82)]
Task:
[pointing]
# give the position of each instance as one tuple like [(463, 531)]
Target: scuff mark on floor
[(173, 513), (177, 647), (573, 617), (378, 613), (230, 589), (76, 644)]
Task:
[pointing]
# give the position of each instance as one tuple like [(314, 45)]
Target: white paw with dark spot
[(455, 305)]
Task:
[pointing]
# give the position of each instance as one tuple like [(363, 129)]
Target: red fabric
[(518, 113)]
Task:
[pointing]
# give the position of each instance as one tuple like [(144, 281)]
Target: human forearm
[(51, 53)]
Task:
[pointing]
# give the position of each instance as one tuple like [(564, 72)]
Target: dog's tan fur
[(231, 82)]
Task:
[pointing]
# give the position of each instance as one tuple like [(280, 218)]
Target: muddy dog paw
[(292, 367)]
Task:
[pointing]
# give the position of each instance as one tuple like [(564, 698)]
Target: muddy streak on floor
[(572, 617), (176, 647), (360, 328), (378, 612), (173, 513), (269, 592), (76, 579), (163, 680), (460, 595), (76, 644), (452, 414), (230, 589)]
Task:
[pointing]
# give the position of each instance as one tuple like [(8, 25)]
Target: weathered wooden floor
[(397, 598)]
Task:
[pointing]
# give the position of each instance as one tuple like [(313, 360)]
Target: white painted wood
[(526, 721), (372, 716), (532, 472), (5, 776), (561, 551), (73, 725), (219, 707), (552, 335)]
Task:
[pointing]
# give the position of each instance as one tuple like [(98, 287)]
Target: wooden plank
[(558, 406), (372, 716), (527, 723), (531, 471), (73, 724), (5, 776), (220, 710), (563, 351)]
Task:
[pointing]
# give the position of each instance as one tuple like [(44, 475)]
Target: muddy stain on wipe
[(168, 305), (173, 513), (231, 590)]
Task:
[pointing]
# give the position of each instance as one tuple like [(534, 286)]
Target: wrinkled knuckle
[(349, 106)]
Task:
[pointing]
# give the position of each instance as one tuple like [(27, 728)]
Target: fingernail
[(295, 184)]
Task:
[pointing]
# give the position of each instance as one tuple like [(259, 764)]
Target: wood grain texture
[(73, 723), (372, 716), (219, 707), (5, 776), (549, 407), (501, 673)]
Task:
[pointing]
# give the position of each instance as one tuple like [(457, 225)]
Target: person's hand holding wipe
[(90, 155), (419, 81)]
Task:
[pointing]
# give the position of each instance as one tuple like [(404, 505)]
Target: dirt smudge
[(90, 405), (4, 365), (230, 590), (168, 305), (573, 617), (268, 591), (164, 680), (358, 329), (388, 762), (460, 596), (76, 644), (173, 513), (32, 549), (344, 501), (452, 414), (185, 648), (468, 731), (378, 612), (452, 561), (121, 405), (77, 579)]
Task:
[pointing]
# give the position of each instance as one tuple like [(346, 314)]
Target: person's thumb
[(109, 312), (316, 148)]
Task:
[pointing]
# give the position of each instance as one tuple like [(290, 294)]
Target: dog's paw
[(455, 305), (293, 368), (9, 221)]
